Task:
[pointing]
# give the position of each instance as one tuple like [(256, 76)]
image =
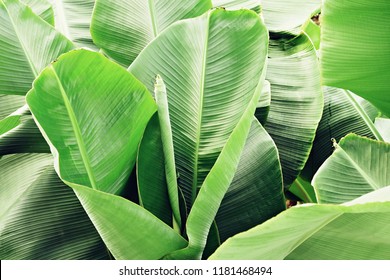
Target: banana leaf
[(358, 166), (101, 112), (357, 230), (123, 28)]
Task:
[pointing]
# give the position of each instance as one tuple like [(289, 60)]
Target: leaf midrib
[(29, 60), (363, 174), (152, 12), (200, 115), (311, 233), (77, 132), (364, 116)]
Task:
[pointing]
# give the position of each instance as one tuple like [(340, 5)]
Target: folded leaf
[(101, 112), (358, 166), (41, 8), (152, 184), (357, 58), (256, 192), (122, 28), (134, 233), (296, 101), (208, 88), (28, 44), (321, 232)]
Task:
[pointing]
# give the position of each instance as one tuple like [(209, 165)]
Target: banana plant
[(186, 129)]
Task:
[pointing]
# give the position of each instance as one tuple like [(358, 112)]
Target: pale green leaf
[(359, 165), (296, 101), (123, 28), (9, 104), (73, 18), (42, 8), (238, 4), (287, 15), (101, 112), (383, 126), (28, 44)]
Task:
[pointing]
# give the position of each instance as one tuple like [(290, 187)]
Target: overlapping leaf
[(357, 230), (28, 44), (287, 15), (358, 166), (123, 28), (40, 217), (342, 114), (256, 192), (296, 101), (19, 134), (208, 87), (73, 18), (93, 113), (135, 233)]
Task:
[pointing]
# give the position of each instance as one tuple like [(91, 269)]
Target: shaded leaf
[(321, 232), (40, 217), (296, 101), (256, 192), (152, 185)]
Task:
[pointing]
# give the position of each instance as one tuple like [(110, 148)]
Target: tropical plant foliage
[(170, 129)]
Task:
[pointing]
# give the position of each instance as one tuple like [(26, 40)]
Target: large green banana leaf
[(238, 4), (357, 230), (357, 58), (359, 165), (40, 217), (256, 192), (216, 184), (73, 18), (41, 8), (28, 44), (122, 28), (342, 114), (93, 113), (208, 88), (128, 230), (19, 134), (152, 185), (296, 101), (287, 15)]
